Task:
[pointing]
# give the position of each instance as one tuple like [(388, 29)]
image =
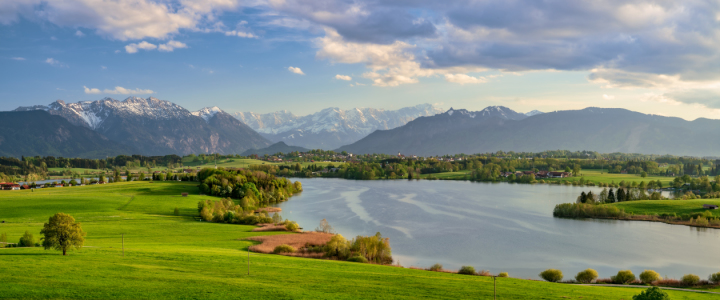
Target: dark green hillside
[(32, 133), (275, 148)]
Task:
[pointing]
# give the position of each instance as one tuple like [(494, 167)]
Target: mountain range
[(605, 130), (31, 133), (158, 127), (332, 127)]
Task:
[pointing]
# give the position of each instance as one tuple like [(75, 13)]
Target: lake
[(499, 227)]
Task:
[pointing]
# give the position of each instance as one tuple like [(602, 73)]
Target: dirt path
[(645, 287)]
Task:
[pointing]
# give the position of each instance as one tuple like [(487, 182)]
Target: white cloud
[(54, 62), (241, 34), (464, 78), (343, 77), (121, 20), (103, 67), (18, 58), (608, 97), (390, 65), (117, 91), (171, 45), (79, 33), (296, 70), (133, 48), (167, 47)]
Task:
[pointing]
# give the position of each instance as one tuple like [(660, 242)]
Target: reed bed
[(297, 241)]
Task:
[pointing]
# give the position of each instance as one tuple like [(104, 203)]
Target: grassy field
[(596, 176), (177, 257), (648, 207)]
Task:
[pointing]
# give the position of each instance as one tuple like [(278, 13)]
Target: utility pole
[(494, 288), (123, 244)]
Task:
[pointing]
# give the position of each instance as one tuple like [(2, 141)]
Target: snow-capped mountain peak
[(207, 113), (533, 112), (336, 126)]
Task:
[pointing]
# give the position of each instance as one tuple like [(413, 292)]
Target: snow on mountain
[(534, 112), (207, 113), (92, 114), (362, 120), (490, 111), (331, 127)]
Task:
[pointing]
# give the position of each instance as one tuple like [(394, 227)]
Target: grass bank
[(177, 257)]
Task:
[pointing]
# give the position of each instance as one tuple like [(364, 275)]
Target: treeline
[(253, 188)]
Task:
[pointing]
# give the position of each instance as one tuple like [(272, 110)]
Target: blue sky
[(655, 57)]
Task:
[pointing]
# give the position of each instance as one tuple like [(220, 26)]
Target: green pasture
[(604, 177), (648, 207), (178, 257)]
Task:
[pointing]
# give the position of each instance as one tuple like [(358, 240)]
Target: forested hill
[(279, 147), (32, 133), (604, 130)]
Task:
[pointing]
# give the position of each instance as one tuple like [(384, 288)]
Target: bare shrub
[(325, 227)]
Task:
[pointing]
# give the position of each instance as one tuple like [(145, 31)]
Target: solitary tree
[(62, 233)]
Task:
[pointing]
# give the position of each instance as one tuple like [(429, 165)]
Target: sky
[(655, 57)]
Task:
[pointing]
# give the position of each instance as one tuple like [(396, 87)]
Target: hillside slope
[(32, 133), (604, 130)]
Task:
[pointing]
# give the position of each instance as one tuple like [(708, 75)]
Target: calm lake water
[(499, 227)]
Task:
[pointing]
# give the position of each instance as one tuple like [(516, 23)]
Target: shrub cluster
[(552, 275), (374, 248), (284, 249), (649, 276), (582, 210), (254, 189), (623, 277), (227, 211), (586, 276)]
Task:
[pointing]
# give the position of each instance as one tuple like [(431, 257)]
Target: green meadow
[(605, 177), (679, 207), (178, 257)]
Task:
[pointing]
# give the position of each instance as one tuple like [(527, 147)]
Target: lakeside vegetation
[(166, 256)]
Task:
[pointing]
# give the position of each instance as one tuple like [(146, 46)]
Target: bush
[(436, 267), (653, 293), (586, 276), (467, 270), (359, 259), (714, 278), (503, 274), (623, 277), (291, 226), (552, 275), (649, 276), (284, 249), (690, 279), (27, 240)]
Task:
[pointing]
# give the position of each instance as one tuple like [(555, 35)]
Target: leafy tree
[(291, 226), (586, 276), (653, 293), (611, 196), (620, 195), (62, 233), (623, 277), (552, 275), (648, 276), (27, 240)]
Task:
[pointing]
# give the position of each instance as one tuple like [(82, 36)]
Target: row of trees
[(254, 189)]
